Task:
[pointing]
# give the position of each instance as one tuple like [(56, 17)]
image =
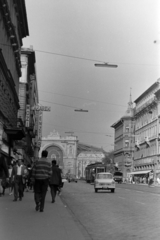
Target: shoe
[(53, 201), (10, 193), (14, 200), (41, 210), (37, 207), (20, 199)]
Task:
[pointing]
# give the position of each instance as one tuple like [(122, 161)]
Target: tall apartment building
[(147, 130), (13, 28), (124, 141), (28, 98)]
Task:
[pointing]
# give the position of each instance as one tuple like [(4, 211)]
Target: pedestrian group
[(42, 174)]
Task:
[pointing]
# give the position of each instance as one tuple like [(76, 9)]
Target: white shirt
[(19, 170), (10, 172)]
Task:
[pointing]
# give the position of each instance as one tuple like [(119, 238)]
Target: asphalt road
[(132, 212)]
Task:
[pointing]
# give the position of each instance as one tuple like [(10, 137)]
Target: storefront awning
[(139, 172), (15, 133)]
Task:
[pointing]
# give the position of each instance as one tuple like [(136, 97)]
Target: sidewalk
[(143, 184), (20, 221)]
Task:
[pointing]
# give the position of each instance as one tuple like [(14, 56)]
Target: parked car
[(72, 178), (104, 181)]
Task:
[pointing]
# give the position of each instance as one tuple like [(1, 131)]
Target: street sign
[(41, 108)]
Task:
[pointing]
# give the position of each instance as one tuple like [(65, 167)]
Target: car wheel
[(96, 190), (112, 190)]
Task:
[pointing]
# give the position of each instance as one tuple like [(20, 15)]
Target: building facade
[(63, 149), (13, 28), (124, 141), (28, 98), (147, 130)]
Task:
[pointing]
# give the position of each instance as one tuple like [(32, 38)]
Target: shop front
[(9, 136), (139, 176)]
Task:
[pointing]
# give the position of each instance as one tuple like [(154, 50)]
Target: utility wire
[(84, 99), (75, 131), (86, 59), (69, 56), (73, 107)]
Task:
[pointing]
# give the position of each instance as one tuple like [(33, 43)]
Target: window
[(104, 176), (127, 143), (127, 129)]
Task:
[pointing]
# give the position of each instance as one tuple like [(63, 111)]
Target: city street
[(132, 212)]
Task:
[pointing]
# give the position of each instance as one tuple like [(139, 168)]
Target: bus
[(92, 169)]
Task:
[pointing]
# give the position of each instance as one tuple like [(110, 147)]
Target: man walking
[(3, 170), (55, 180), (19, 172), (41, 173)]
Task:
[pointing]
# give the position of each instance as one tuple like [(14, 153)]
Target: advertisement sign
[(27, 115), (40, 118), (41, 108)]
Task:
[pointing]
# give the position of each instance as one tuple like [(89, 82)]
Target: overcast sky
[(114, 31)]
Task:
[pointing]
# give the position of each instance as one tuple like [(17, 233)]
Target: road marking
[(121, 197), (127, 189), (140, 202)]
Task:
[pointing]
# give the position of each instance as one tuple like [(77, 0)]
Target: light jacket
[(24, 172)]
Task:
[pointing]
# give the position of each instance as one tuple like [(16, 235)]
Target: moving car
[(104, 181), (72, 178)]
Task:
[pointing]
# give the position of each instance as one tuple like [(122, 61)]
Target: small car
[(104, 181), (72, 178)]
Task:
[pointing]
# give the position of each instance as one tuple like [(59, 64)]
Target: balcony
[(137, 145), (146, 106)]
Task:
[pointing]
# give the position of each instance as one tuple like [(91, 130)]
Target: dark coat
[(56, 176), (3, 167)]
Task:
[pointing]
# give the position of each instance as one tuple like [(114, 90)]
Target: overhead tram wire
[(75, 107), (75, 131), (85, 59), (91, 100)]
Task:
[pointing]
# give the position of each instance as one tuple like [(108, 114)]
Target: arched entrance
[(55, 152)]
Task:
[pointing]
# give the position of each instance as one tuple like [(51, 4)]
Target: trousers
[(18, 187), (40, 190), (54, 189)]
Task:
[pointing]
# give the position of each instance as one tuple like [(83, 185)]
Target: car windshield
[(104, 176)]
